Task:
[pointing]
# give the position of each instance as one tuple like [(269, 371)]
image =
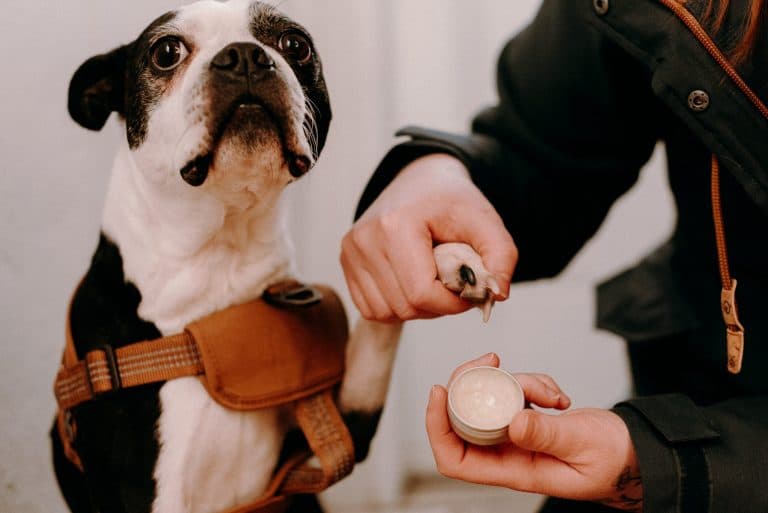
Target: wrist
[(627, 492), (442, 164), (400, 159)]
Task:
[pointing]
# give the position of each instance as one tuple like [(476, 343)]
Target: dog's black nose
[(243, 59)]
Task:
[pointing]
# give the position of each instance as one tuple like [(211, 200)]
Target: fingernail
[(501, 294), (493, 286), (434, 391)]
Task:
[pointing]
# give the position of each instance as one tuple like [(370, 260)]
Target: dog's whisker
[(310, 125)]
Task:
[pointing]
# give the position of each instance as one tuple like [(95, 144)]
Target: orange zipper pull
[(734, 329)]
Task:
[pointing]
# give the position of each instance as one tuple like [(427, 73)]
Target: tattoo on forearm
[(628, 494)]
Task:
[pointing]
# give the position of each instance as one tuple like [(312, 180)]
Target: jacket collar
[(684, 59)]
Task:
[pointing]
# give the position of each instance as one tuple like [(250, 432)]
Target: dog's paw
[(461, 270)]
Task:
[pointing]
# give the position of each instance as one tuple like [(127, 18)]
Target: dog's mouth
[(244, 118)]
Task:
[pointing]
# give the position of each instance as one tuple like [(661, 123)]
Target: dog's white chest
[(211, 458)]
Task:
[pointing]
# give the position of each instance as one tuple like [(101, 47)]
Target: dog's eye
[(168, 53), (296, 46)]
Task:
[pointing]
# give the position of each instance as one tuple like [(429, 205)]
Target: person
[(585, 93)]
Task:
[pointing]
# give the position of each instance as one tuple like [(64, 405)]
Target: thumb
[(538, 432), (499, 253), (484, 230)]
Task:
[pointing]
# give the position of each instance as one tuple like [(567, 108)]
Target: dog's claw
[(488, 308)]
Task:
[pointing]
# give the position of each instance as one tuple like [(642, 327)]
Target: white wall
[(388, 63)]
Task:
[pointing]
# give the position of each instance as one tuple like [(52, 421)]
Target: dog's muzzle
[(235, 69), (247, 62), (244, 75), (246, 66)]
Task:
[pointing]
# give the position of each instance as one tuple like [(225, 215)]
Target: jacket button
[(601, 6), (698, 101)]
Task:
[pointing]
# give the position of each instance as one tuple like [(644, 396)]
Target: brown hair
[(714, 18)]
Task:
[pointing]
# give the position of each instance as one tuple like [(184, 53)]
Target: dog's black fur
[(116, 434)]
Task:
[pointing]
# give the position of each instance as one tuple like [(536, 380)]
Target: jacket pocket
[(645, 302)]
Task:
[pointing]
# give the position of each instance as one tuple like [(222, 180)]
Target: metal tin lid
[(482, 401)]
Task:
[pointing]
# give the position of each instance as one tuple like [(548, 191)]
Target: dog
[(224, 105)]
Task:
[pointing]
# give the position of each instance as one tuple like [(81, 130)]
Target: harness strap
[(303, 331), (331, 443), (105, 370), (329, 440)]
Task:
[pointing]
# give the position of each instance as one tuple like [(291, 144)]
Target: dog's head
[(226, 94)]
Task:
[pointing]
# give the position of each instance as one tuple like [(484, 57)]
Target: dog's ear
[(98, 88)]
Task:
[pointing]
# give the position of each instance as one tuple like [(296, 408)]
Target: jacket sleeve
[(700, 459), (572, 128)]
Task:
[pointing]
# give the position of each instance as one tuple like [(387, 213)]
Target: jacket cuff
[(400, 156), (669, 433)]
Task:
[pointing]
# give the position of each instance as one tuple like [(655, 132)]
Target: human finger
[(543, 392), (392, 289), (487, 360), (351, 264), (374, 283), (447, 447), (411, 257), (483, 229), (359, 299), (555, 435), (374, 297)]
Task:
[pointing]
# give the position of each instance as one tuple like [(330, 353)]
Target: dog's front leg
[(369, 361), (373, 345)]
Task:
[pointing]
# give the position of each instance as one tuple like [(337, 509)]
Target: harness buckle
[(112, 368), (70, 428), (293, 295)]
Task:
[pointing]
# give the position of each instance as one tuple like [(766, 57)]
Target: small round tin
[(482, 402)]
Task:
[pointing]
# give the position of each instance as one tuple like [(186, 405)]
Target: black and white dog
[(224, 105)]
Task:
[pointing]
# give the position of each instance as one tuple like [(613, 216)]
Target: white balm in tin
[(482, 402)]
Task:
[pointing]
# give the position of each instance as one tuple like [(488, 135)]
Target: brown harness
[(285, 348)]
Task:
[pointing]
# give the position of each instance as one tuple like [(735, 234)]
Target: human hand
[(387, 255), (584, 454)]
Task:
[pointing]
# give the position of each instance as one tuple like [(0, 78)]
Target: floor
[(438, 495)]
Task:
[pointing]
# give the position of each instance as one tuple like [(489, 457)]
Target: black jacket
[(585, 92)]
